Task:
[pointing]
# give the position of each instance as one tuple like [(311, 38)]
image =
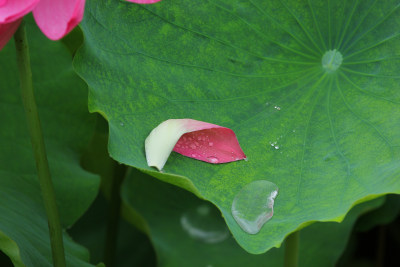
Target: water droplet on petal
[(213, 159), (194, 156), (192, 146), (205, 224), (253, 205), (210, 143)]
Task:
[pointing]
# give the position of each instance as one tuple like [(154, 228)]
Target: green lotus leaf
[(311, 89)]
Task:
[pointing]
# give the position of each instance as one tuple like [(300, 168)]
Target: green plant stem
[(292, 250), (35, 131), (121, 171)]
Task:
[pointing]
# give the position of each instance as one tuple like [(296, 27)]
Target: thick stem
[(292, 250), (121, 171), (35, 131)]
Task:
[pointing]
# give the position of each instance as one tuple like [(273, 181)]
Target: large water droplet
[(332, 60), (213, 159), (205, 223), (253, 206)]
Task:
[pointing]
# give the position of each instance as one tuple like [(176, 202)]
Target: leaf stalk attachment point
[(38, 146)]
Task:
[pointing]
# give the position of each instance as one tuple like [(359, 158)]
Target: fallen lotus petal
[(194, 139)]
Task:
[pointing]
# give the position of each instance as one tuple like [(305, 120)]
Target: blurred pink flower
[(55, 18)]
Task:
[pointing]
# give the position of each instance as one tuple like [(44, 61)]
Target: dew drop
[(204, 223), (213, 159), (194, 156), (277, 108), (276, 147), (210, 144), (192, 146), (253, 206)]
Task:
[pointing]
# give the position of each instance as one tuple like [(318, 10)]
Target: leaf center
[(332, 60)]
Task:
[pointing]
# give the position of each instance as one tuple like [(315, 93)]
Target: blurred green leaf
[(256, 67), (67, 128), (384, 215), (133, 247), (187, 231)]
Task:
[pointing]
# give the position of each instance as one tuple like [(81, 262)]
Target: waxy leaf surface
[(327, 133), (188, 231)]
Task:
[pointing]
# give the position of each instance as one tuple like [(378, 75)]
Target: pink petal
[(56, 18), (144, 1), (210, 143), (7, 31), (195, 139), (11, 10)]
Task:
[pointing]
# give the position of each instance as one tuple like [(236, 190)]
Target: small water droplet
[(192, 146), (194, 156), (276, 147), (204, 223), (213, 159), (277, 108), (294, 131), (253, 205), (122, 124), (210, 144)]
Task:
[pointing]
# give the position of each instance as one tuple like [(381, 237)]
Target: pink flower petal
[(144, 1), (7, 31), (56, 18), (210, 143), (195, 139), (11, 10)]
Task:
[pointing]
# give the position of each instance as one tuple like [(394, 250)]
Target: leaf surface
[(328, 137), (187, 231)]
